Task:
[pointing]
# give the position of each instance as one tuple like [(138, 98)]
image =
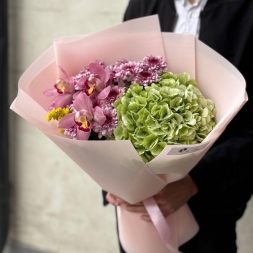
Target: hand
[(169, 199), (115, 200)]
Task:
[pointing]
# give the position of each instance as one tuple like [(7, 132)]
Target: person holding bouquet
[(218, 188)]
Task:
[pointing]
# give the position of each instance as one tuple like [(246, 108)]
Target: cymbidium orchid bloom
[(63, 90), (96, 81), (83, 117)]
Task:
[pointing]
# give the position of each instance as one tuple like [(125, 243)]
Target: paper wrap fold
[(115, 165)]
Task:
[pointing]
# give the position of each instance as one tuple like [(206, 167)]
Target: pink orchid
[(83, 117), (97, 80), (63, 90)]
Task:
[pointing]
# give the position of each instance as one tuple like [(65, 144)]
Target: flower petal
[(76, 94), (72, 83), (71, 79), (82, 101), (50, 92), (81, 82), (104, 93), (96, 69), (107, 75), (99, 116), (67, 121), (63, 100), (81, 135)]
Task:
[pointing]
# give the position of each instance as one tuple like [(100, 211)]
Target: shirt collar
[(185, 3)]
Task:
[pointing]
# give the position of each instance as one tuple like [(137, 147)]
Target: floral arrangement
[(137, 101)]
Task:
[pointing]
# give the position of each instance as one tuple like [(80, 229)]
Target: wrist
[(192, 187)]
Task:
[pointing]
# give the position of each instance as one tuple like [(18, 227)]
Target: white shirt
[(188, 21)]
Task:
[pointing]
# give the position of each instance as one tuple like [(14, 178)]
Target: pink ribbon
[(159, 222)]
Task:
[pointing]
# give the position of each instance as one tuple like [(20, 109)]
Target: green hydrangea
[(172, 111)]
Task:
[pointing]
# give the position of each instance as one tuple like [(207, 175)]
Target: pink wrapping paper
[(138, 236), (119, 168)]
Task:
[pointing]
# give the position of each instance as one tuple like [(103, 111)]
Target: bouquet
[(138, 156), (137, 101)]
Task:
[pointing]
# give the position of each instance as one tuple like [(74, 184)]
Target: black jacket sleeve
[(227, 163)]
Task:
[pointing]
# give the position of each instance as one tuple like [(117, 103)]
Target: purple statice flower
[(111, 122)]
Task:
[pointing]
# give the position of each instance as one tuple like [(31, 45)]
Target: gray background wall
[(55, 206)]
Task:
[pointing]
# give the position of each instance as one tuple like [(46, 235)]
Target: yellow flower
[(57, 113)]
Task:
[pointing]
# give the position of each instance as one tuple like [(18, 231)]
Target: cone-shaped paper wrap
[(115, 165)]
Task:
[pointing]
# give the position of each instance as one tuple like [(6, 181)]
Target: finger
[(136, 208), (111, 199), (161, 199), (146, 217), (121, 201), (113, 196), (136, 204)]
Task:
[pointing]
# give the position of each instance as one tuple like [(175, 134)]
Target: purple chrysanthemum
[(71, 132), (123, 71), (109, 125), (114, 94), (146, 77), (155, 63), (149, 70), (97, 102)]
